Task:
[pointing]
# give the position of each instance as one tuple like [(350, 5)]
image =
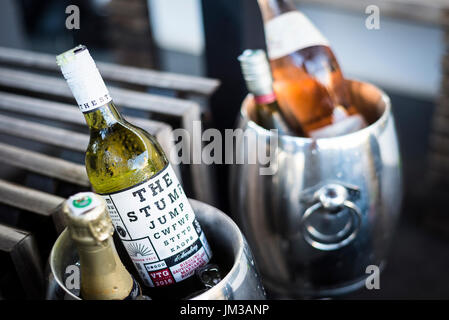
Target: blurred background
[(405, 57)]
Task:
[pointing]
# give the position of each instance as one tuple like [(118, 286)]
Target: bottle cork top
[(83, 78), (256, 71), (74, 61), (87, 218)]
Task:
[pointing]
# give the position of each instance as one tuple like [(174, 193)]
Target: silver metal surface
[(332, 198), (330, 207), (241, 282)]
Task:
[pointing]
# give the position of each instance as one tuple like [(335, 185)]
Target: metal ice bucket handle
[(332, 198)]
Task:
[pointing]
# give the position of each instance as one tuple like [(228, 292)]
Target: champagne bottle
[(129, 169), (103, 276), (257, 74), (308, 80)]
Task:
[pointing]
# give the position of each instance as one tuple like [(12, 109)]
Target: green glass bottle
[(127, 166)]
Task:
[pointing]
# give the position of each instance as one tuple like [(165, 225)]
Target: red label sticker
[(161, 277)]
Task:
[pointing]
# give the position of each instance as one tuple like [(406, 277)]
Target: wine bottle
[(103, 276), (308, 80), (257, 74), (129, 169)]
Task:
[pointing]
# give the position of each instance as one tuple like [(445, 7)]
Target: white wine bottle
[(103, 276), (127, 166), (257, 74)]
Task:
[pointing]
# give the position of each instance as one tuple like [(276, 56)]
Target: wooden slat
[(187, 111), (22, 248), (10, 237), (63, 138), (28, 199), (62, 111), (42, 133), (43, 164), (34, 201), (123, 97), (69, 114), (126, 98), (58, 137), (109, 71)]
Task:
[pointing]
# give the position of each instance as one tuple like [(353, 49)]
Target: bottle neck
[(88, 88), (257, 74), (103, 275), (265, 99), (103, 117), (274, 8), (98, 258)]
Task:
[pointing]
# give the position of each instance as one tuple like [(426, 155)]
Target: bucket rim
[(376, 127), (216, 291)]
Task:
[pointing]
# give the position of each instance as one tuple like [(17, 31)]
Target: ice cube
[(209, 275)]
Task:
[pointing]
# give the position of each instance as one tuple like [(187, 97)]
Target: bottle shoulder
[(121, 156)]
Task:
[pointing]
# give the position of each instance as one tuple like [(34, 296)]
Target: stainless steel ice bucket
[(225, 238), (329, 208)]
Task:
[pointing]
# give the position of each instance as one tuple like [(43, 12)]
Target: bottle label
[(290, 32), (89, 90), (158, 228), (265, 98)]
